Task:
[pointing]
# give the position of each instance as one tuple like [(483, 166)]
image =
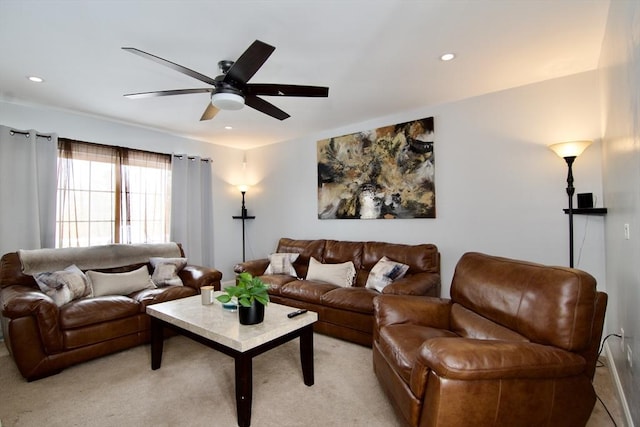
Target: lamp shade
[(227, 101), (243, 188), (570, 149)]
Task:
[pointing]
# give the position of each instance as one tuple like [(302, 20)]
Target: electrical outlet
[(629, 356), (622, 340), (627, 232)]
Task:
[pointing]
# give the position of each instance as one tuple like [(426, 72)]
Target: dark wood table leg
[(157, 342), (306, 354), (244, 389)]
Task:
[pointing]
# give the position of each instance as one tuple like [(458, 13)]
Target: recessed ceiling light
[(35, 79), (228, 127), (447, 56)]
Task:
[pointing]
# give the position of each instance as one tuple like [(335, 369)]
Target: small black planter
[(251, 315)]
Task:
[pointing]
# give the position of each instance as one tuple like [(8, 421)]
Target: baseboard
[(616, 380)]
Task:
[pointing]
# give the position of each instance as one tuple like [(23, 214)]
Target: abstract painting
[(384, 173)]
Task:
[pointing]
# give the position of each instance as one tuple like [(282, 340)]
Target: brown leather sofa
[(516, 345), (347, 312), (44, 338)]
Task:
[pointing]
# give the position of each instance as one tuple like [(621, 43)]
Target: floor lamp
[(243, 216), (569, 151)]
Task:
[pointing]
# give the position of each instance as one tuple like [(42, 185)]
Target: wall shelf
[(587, 211)]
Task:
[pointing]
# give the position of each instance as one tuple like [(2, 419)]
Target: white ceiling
[(378, 57)]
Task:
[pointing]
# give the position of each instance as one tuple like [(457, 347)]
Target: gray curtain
[(28, 161), (192, 208)]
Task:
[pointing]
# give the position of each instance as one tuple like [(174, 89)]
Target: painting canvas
[(384, 173)]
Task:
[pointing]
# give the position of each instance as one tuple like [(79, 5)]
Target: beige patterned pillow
[(384, 272), (65, 285), (282, 263), (165, 271), (120, 283), (342, 274)]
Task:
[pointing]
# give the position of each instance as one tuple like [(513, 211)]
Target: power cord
[(599, 365), (605, 340)]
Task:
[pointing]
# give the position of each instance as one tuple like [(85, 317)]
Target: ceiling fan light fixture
[(227, 101)]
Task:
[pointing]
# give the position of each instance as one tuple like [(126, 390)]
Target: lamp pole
[(570, 191), (244, 216), (569, 151)]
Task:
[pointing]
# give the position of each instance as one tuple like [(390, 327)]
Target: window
[(111, 194)]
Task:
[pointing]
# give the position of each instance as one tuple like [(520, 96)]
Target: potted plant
[(252, 296)]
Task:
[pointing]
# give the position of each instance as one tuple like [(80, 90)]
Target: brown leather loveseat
[(45, 336), (516, 345), (346, 312)]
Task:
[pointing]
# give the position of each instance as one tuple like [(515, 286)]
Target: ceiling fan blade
[(209, 112), (166, 93), (172, 65), (265, 107), (249, 62), (269, 89)]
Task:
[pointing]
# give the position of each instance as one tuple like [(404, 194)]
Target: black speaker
[(585, 200)]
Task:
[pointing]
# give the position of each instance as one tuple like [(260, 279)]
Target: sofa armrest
[(256, 267), (22, 301), (416, 284), (196, 276), (416, 310), (474, 359)]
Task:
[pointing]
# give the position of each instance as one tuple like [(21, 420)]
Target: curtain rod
[(181, 156), (27, 134)]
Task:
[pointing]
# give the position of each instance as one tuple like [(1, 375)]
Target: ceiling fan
[(231, 90)]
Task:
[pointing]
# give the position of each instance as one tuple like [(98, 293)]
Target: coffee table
[(220, 329)]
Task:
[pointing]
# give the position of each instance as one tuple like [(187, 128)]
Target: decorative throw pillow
[(165, 271), (384, 272), (341, 274), (65, 285), (282, 263), (120, 283)]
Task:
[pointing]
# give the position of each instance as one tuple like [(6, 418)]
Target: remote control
[(296, 313)]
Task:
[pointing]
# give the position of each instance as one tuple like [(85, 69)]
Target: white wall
[(499, 189), (620, 65), (227, 165)]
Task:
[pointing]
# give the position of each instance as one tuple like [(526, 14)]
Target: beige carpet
[(195, 387)]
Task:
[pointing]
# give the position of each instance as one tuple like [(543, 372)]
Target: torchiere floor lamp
[(569, 151)]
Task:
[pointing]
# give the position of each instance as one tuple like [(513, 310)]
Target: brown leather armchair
[(515, 345)]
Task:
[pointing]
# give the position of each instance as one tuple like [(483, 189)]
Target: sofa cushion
[(120, 283), (384, 272), (419, 258), (468, 324), (400, 343), (276, 281), (548, 305), (305, 290), (282, 263), (165, 271), (352, 299), (306, 249), (89, 311), (147, 297), (338, 251), (65, 285), (341, 274)]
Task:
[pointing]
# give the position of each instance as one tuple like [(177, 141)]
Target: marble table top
[(222, 326)]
